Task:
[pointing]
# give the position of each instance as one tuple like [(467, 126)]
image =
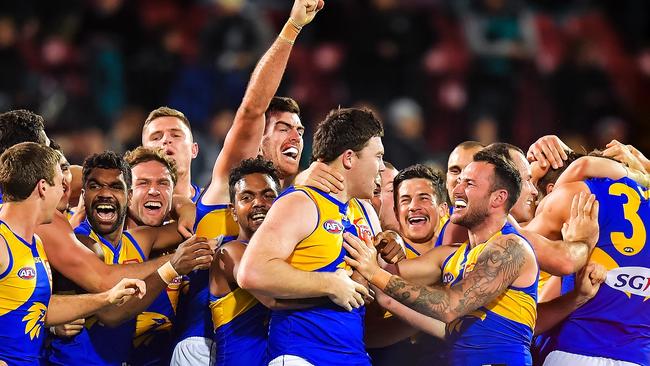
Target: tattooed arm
[(496, 268)]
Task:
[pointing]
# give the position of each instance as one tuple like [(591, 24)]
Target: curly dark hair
[(251, 166), (107, 160), (506, 175), (20, 126), (436, 178)]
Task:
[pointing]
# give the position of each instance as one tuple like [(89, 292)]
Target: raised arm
[(563, 235), (497, 267), (78, 263), (264, 269), (245, 136), (598, 167)]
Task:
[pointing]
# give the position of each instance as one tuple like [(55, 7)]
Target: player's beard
[(474, 215)]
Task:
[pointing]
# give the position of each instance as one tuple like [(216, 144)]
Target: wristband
[(380, 279), (167, 272), (289, 32)]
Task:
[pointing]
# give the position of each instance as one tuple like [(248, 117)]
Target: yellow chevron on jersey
[(230, 306), (514, 304), (215, 220), (25, 291), (323, 248), (128, 251)]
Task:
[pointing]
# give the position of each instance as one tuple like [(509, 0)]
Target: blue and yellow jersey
[(328, 334), (194, 318), (499, 332), (25, 289), (240, 329), (97, 344), (197, 193), (152, 341), (620, 310)]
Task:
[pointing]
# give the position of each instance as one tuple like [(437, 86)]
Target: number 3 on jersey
[(635, 243)]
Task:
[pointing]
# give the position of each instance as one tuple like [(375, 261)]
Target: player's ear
[(499, 198), (233, 213), (549, 187), (346, 158)]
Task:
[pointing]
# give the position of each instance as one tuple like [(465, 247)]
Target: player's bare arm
[(79, 264), (504, 262), (66, 308), (265, 271), (245, 136)]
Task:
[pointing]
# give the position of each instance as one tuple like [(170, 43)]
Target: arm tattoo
[(496, 268)]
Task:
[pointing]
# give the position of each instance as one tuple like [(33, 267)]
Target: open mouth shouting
[(459, 204), (105, 213), (291, 152), (153, 207)]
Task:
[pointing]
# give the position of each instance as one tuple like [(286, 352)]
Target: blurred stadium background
[(438, 72)]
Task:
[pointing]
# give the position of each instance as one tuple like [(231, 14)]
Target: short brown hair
[(166, 112), (143, 154), (22, 166), (283, 104), (343, 129)]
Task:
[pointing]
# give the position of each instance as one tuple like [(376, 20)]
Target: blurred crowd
[(439, 72)]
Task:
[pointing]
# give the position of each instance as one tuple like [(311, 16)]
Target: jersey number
[(634, 244)]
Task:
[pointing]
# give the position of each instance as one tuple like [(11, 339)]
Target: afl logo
[(27, 273), (333, 227)]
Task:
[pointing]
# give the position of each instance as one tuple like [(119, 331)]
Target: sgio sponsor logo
[(633, 280)]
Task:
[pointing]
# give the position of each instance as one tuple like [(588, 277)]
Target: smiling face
[(152, 193), (418, 210), (524, 208), (282, 142), (175, 138), (254, 195), (471, 196), (106, 198)]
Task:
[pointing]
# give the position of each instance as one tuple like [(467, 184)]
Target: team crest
[(333, 227), (27, 273), (447, 278), (35, 320)]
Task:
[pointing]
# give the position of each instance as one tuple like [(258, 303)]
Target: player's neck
[(115, 237), (184, 186), (484, 231), (22, 217)]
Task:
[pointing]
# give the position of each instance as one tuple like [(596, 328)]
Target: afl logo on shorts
[(27, 273), (333, 227)]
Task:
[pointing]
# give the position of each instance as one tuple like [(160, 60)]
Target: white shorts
[(192, 351), (560, 358), (289, 360)]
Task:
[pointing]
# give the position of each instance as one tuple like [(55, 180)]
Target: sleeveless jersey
[(327, 334), (25, 290), (240, 329), (499, 332), (98, 344), (616, 322), (152, 340), (194, 318)]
